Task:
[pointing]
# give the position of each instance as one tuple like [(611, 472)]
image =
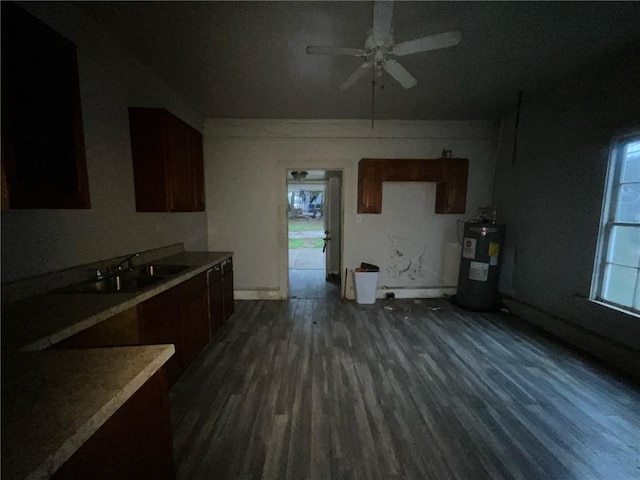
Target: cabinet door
[(227, 287), (179, 165), (134, 443), (195, 317), (149, 141), (167, 162), (161, 318), (120, 330), (197, 170), (216, 299), (43, 151)]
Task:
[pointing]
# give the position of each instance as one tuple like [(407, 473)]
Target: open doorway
[(314, 228)]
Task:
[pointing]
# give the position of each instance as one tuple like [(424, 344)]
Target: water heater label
[(494, 251), (479, 271), (469, 248)]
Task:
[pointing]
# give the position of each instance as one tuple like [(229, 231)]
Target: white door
[(333, 224)]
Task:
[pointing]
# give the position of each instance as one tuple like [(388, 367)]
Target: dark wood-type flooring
[(404, 389), (310, 283)]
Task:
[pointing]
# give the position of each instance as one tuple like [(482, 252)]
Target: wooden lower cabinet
[(160, 322), (193, 296), (216, 299), (221, 307), (178, 316), (134, 443), (227, 294), (120, 330)]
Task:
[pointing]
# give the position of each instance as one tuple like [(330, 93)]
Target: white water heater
[(482, 247)]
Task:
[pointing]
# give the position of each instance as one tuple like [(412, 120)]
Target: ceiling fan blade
[(382, 15), (355, 76), (400, 73), (335, 51), (432, 42)]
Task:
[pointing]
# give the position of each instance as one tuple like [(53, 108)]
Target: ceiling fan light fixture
[(380, 46), (299, 174)]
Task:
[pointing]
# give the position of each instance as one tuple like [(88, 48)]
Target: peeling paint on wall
[(406, 258)]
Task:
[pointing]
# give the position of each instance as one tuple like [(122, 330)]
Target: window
[(617, 273)]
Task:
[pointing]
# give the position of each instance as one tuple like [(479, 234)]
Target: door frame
[(284, 221)]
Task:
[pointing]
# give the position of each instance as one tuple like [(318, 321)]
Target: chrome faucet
[(128, 261), (117, 268)]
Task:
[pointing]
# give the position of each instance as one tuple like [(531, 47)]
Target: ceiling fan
[(380, 47)]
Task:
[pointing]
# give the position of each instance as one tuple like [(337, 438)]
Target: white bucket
[(366, 284)]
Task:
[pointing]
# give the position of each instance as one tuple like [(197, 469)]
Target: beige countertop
[(37, 322), (53, 401)]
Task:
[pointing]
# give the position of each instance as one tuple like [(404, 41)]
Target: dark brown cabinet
[(167, 162), (134, 443), (216, 299), (193, 297), (43, 152), (178, 316), (227, 288), (161, 322), (221, 303), (197, 169), (449, 174)]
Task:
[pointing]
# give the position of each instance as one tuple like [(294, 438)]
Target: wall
[(550, 197), (246, 164), (39, 241)]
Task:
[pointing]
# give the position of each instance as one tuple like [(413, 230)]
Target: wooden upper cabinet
[(43, 153), (197, 169), (449, 174), (167, 162)]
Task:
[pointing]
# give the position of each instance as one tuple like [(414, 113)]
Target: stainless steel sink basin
[(116, 284), (158, 270), (128, 281)]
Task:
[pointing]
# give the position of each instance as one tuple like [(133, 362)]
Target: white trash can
[(366, 284)]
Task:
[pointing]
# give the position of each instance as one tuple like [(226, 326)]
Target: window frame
[(608, 221)]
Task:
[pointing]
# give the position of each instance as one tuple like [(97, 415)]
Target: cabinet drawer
[(215, 272)]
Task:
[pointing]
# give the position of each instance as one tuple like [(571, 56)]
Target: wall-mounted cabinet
[(167, 162), (450, 175), (43, 154)]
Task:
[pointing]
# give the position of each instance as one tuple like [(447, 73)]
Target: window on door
[(617, 273)]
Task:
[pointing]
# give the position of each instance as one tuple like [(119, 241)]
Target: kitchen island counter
[(54, 401)]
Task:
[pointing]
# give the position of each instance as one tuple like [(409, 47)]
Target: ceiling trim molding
[(421, 129)]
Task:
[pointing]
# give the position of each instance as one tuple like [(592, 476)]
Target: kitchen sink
[(132, 280), (118, 283), (158, 270)]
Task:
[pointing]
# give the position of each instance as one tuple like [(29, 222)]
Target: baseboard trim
[(258, 295), (422, 292), (609, 351)]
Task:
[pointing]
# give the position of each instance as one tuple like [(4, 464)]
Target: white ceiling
[(248, 60)]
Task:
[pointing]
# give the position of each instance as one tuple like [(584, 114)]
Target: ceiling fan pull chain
[(373, 101)]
